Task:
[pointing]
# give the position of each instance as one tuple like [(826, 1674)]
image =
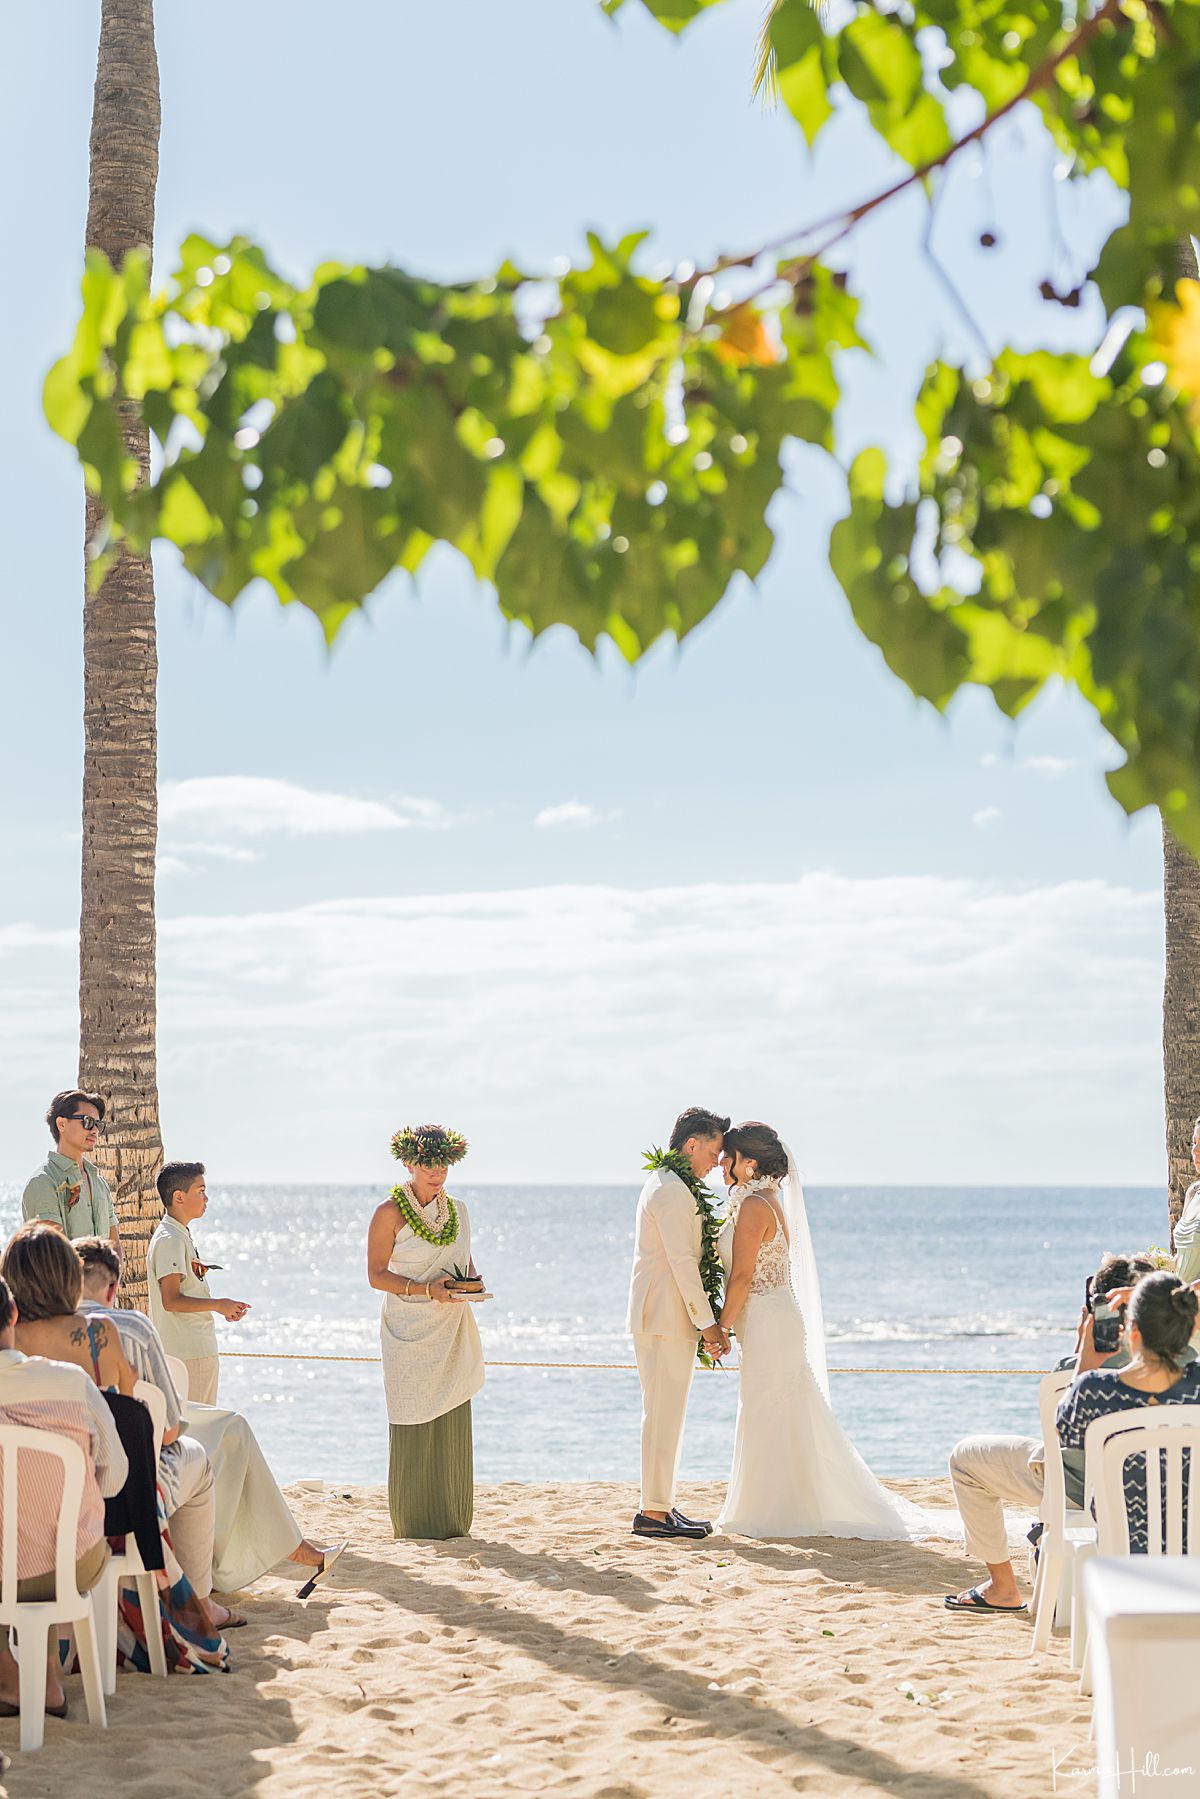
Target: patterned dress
[(1098, 1394)]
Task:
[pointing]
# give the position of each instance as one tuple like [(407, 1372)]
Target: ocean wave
[(940, 1330)]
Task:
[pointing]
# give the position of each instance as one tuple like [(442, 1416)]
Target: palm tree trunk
[(1181, 1014), (1181, 980), (117, 995)]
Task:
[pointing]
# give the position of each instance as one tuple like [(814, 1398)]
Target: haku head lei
[(428, 1146)]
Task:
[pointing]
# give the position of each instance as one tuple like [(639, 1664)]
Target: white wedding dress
[(795, 1471)]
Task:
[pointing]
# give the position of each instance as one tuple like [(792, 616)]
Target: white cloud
[(571, 812), (166, 866), (908, 1029), (1051, 768), (986, 815), (250, 805)]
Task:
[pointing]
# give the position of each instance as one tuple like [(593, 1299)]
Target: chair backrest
[(1160, 1434), (155, 1403), (17, 1440), (1054, 1496), (177, 1368)]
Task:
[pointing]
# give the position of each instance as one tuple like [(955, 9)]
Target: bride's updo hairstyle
[(760, 1145), (1164, 1310)]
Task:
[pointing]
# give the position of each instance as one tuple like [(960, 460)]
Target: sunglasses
[(87, 1121)]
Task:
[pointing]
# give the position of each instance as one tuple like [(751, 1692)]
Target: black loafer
[(671, 1528), (692, 1523)]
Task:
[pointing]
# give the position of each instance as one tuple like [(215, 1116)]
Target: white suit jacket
[(666, 1294)]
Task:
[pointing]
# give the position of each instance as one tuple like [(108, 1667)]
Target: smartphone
[(1106, 1327)]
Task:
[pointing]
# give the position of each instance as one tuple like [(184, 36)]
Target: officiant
[(432, 1355)]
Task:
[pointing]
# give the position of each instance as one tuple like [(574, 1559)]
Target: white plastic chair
[(129, 1566), (33, 1620), (177, 1369), (1161, 1433), (1063, 1525), (1108, 1445)]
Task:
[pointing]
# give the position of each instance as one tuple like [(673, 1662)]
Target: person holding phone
[(991, 1471), (1157, 1371)]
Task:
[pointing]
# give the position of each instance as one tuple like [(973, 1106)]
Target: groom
[(668, 1310)]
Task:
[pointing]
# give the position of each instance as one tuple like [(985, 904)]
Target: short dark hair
[(1119, 1271), (44, 1274), (1164, 1309), (98, 1252), (761, 1144), (176, 1177), (63, 1104), (697, 1122), (6, 1306)]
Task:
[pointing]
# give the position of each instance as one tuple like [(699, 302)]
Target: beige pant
[(665, 1368), (202, 1379), (985, 1472), (193, 1519)]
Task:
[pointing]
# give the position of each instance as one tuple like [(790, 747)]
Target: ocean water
[(934, 1278)]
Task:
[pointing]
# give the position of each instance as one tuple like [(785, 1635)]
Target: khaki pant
[(665, 1368), (193, 1519), (202, 1379), (91, 1565), (985, 1472)]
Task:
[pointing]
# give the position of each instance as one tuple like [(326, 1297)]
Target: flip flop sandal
[(327, 1561), (975, 1602), (14, 1711), (235, 1621)]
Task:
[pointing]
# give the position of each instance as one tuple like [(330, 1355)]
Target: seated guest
[(989, 1471), (253, 1528), (68, 1189), (181, 1306), (49, 1395), (45, 1277), (1157, 1332), (185, 1473)]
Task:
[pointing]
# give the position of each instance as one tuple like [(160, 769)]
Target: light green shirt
[(189, 1335), (73, 1194)]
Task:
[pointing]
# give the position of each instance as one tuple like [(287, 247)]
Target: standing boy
[(181, 1306)]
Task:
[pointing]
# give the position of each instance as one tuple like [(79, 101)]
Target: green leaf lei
[(710, 1224), (417, 1224)]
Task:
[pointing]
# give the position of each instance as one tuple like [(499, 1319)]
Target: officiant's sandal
[(672, 1527)]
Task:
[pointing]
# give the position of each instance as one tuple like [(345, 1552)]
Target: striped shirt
[(56, 1396)]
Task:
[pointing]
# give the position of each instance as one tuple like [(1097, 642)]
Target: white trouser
[(986, 1471), (192, 1511), (665, 1367), (202, 1379)]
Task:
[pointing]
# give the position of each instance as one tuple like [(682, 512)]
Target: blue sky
[(551, 899)]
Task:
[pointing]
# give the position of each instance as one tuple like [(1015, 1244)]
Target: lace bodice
[(771, 1264)]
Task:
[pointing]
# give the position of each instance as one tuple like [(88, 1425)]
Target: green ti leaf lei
[(710, 1224), (417, 1225)]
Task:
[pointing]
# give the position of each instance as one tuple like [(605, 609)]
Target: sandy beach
[(554, 1653)]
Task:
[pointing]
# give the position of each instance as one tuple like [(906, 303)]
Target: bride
[(795, 1471)]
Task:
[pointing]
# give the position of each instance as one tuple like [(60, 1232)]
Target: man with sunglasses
[(69, 1190)]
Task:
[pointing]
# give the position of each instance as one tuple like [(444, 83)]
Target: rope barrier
[(263, 1355)]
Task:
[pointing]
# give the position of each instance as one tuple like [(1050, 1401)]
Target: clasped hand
[(716, 1341)]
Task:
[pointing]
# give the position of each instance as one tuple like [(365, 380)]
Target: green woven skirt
[(431, 1476)]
